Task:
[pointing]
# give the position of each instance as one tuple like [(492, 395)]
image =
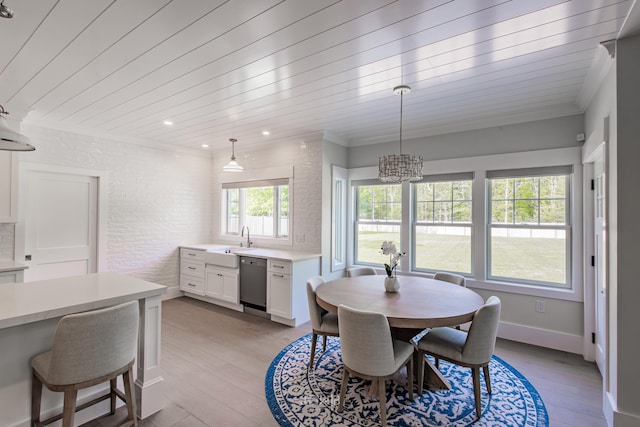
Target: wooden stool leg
[(69, 410), (127, 378), (113, 383), (36, 399)]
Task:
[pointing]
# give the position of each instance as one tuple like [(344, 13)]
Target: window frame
[(355, 185), (480, 165), (567, 227), (456, 177)]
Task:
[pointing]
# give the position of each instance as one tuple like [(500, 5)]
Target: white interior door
[(60, 225), (600, 264)]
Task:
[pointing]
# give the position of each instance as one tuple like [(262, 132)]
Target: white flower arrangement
[(388, 248)]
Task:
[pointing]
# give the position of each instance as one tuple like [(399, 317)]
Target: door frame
[(102, 200), (599, 152)]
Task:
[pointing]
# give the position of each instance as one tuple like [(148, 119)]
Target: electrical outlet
[(539, 306), (300, 238)]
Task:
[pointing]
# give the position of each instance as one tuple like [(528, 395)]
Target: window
[(263, 206), (442, 224), (378, 219), (529, 231), (338, 219)]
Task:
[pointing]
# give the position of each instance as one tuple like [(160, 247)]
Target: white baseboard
[(172, 292), (616, 418), (541, 337)]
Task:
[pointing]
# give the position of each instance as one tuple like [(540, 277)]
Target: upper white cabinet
[(8, 187)]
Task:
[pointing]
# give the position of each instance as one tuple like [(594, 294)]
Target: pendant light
[(10, 140), (400, 167), (233, 166), (5, 12)]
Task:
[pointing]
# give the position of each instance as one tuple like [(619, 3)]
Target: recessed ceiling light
[(205, 145), (168, 122), (265, 132)]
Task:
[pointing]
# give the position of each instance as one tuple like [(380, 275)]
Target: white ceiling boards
[(221, 69)]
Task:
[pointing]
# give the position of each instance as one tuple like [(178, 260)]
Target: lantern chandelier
[(400, 167)]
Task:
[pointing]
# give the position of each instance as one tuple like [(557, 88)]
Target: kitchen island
[(29, 313)]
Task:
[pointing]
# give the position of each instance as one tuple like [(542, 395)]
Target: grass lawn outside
[(522, 258)]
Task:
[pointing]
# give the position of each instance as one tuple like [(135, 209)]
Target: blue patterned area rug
[(297, 397)]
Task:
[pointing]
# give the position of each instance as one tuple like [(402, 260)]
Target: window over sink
[(262, 206)]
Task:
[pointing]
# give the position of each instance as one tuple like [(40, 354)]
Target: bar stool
[(88, 349)]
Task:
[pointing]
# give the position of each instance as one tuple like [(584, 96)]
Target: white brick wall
[(157, 200), (307, 184), (6, 241)]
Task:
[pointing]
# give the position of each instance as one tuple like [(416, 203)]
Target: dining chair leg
[(343, 388), (420, 376), (487, 379), (36, 399), (312, 356), (382, 396), (324, 343), (475, 373), (410, 377)]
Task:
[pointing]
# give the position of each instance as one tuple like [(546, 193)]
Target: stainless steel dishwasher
[(253, 284)]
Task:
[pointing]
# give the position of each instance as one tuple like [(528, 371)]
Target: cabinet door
[(230, 288), (279, 295), (214, 284)]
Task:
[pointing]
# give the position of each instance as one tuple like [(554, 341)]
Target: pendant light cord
[(401, 98)]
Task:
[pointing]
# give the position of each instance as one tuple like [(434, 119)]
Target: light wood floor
[(214, 362)]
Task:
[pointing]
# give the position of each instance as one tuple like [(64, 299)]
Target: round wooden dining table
[(419, 303)]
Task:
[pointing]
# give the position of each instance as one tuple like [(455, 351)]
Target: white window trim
[(479, 165), (265, 174)]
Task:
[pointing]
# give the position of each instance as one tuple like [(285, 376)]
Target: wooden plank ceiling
[(218, 69)]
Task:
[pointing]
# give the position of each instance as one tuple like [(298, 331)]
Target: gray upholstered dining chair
[(322, 322), (89, 348), (471, 349), (369, 352), (361, 271), (456, 279)]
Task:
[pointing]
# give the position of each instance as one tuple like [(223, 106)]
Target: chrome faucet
[(249, 242)]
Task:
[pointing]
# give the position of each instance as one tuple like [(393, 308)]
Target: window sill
[(530, 290)]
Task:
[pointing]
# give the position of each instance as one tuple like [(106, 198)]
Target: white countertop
[(280, 254), (11, 266), (22, 303)]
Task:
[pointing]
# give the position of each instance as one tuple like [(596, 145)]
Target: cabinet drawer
[(194, 268), (191, 254), (192, 284), (276, 266)]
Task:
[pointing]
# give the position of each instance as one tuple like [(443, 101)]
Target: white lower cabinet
[(287, 289), (192, 271), (279, 294), (222, 283)]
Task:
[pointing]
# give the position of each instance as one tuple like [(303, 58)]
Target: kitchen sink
[(224, 257)]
